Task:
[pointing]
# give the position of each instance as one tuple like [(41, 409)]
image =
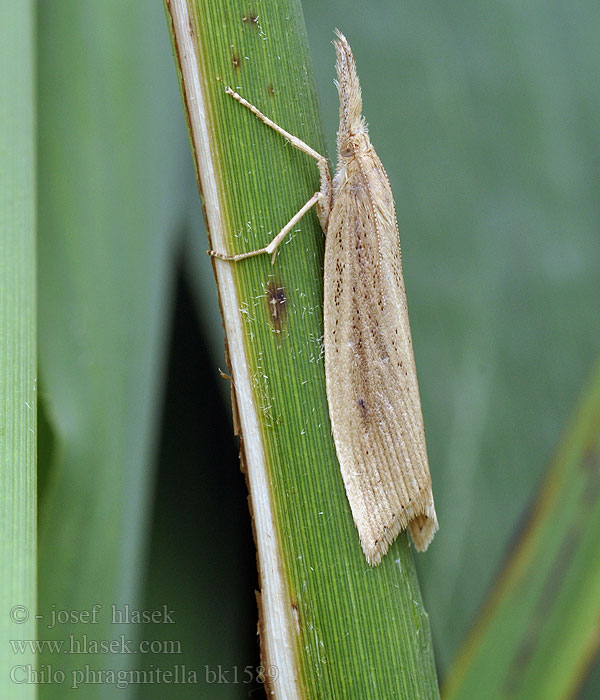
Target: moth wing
[(372, 387)]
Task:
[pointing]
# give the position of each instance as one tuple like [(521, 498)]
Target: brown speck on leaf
[(277, 304), (271, 90), (251, 18), (296, 615), (236, 60)]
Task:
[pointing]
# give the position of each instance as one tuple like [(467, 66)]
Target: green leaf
[(202, 557), (17, 351), (540, 628), (109, 134), (347, 630)]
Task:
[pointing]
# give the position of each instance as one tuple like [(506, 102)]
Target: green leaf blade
[(355, 631), (18, 400), (539, 631), (108, 218)]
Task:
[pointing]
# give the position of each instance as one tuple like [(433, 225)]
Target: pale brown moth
[(370, 371)]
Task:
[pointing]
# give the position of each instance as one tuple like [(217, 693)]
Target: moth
[(371, 378)]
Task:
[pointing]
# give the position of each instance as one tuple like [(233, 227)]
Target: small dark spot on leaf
[(277, 303), (251, 18), (296, 614), (271, 90), (236, 60)]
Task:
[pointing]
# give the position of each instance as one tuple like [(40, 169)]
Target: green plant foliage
[(540, 629), (359, 627), (110, 198), (17, 352)]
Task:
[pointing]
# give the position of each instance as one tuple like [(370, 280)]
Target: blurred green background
[(486, 118)]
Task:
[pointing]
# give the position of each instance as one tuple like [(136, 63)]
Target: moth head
[(351, 145)]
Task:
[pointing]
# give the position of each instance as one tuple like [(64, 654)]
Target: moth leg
[(324, 204), (273, 246)]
